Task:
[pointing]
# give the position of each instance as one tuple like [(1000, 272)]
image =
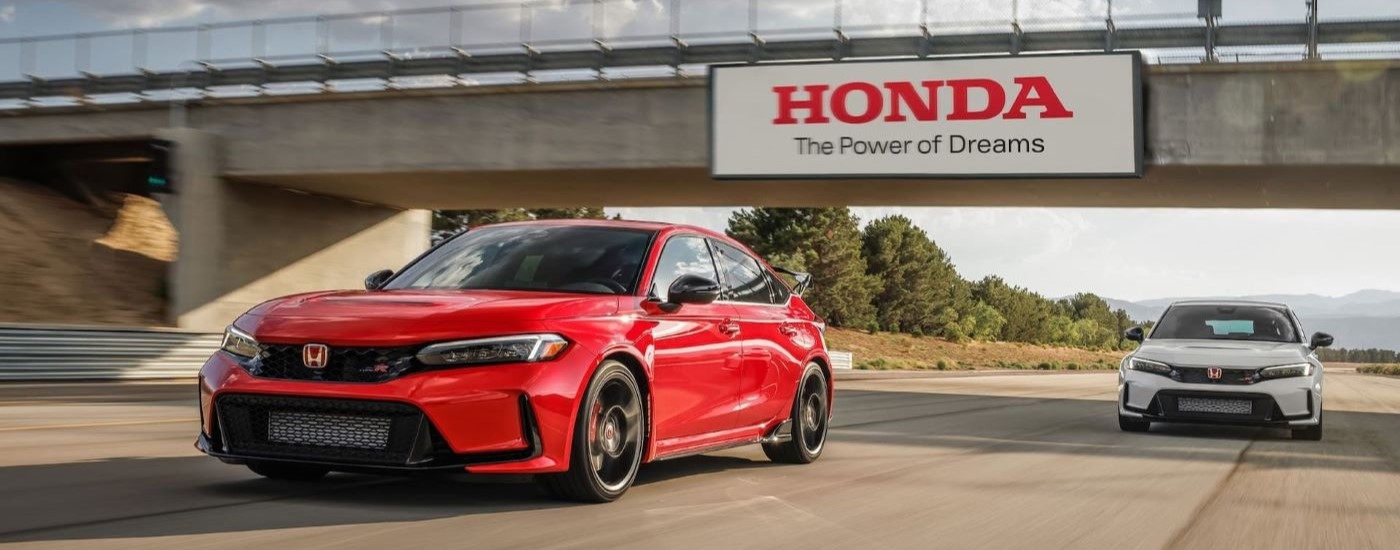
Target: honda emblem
[(1214, 373), (315, 356)]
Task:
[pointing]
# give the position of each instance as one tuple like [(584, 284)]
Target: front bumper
[(499, 419), (1287, 402)]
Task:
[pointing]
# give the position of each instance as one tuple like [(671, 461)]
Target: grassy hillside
[(888, 351), (66, 262)]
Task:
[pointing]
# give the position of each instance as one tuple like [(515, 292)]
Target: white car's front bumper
[(1287, 401)]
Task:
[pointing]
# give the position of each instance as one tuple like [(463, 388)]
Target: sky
[(1121, 253)]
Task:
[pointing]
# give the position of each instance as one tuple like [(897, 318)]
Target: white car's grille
[(1215, 406)]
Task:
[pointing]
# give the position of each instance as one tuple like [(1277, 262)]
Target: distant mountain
[(1139, 311), (1364, 319)]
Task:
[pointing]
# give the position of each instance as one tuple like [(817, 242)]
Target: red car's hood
[(394, 317)]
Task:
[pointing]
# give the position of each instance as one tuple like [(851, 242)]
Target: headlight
[(527, 348), (1149, 366), (1286, 371), (240, 343)]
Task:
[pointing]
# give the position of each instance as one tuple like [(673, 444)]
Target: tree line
[(888, 276), (447, 223), (1369, 355), (892, 276)]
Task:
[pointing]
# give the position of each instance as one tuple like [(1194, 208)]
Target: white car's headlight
[(1286, 371), (1149, 366), (240, 343), (527, 348)]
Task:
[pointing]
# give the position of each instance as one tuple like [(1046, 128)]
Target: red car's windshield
[(583, 259)]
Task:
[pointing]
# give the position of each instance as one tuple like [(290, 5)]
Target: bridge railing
[(541, 35)]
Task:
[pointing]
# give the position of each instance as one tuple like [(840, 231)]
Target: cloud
[(7, 13)]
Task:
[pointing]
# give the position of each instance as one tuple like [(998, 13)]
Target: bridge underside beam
[(1325, 187)]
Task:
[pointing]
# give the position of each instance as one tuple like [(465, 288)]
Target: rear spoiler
[(804, 280)]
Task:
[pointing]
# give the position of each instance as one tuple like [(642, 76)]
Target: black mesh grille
[(344, 364), (330, 430), (1228, 377), (1262, 407)]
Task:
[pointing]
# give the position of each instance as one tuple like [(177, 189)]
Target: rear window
[(1227, 322)]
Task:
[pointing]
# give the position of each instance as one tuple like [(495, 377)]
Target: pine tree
[(829, 243), (915, 278)]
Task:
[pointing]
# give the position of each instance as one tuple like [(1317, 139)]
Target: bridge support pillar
[(243, 243)]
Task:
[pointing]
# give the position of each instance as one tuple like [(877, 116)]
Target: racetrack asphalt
[(914, 461)]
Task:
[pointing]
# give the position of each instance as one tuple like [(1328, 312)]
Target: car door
[(766, 379), (697, 351)]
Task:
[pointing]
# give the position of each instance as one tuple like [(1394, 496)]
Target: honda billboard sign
[(973, 117)]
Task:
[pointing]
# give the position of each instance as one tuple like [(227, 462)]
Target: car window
[(1227, 322), (744, 278), (583, 259), (781, 293), (683, 255)]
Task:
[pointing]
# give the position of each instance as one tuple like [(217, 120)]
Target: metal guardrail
[(842, 360), (30, 354), (531, 36), (63, 353)]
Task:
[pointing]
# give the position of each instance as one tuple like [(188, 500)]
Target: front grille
[(1219, 406), (344, 364), (1200, 375), (343, 431)]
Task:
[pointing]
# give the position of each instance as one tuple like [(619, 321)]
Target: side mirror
[(1321, 340), (1135, 334), (690, 289), (376, 280)]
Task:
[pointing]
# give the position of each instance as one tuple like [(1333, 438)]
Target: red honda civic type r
[(572, 350)]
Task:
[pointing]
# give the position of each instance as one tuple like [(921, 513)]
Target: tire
[(288, 472), (1130, 424), (608, 443), (810, 419), (1309, 433)]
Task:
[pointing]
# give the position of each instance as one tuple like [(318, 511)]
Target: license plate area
[(1242, 407), (328, 430)]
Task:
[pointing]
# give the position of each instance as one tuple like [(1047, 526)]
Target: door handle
[(729, 327)]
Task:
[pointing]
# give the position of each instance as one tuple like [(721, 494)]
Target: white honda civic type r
[(1243, 363)]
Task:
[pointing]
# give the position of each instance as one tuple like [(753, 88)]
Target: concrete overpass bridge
[(285, 194)]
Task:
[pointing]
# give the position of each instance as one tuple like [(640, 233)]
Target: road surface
[(962, 462)]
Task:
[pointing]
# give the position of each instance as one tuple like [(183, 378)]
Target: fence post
[(1110, 30), (138, 49), (201, 42), (323, 35), (26, 57), (82, 53), (1312, 30), (675, 18), (386, 31), (1015, 27), (259, 39), (454, 27), (597, 21)]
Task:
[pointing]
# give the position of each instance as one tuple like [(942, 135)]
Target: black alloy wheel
[(609, 439), (809, 424)]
